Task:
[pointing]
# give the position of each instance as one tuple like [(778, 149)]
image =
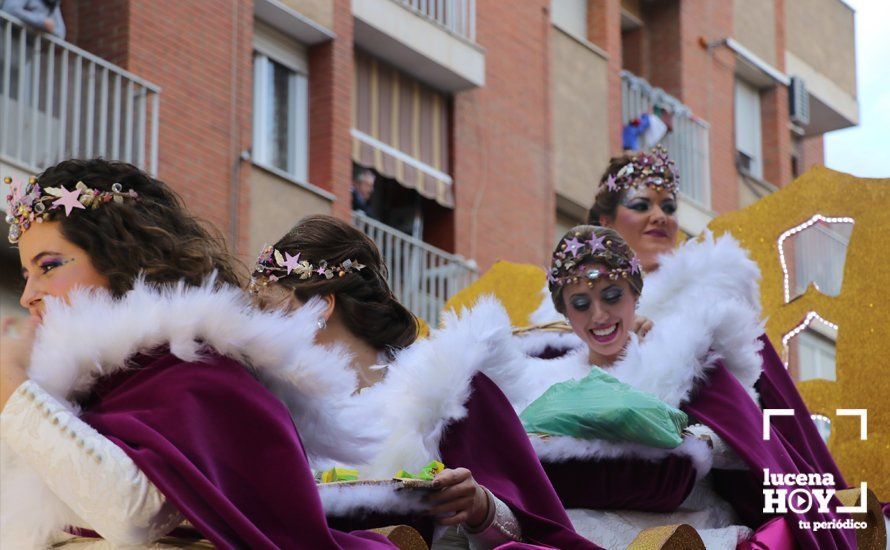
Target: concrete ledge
[(693, 217), (291, 22), (418, 46), (831, 108)]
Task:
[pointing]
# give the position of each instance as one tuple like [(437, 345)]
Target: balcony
[(58, 101), (821, 52), (432, 40), (421, 276), (456, 16), (687, 144)]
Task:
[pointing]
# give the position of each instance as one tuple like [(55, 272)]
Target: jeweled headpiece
[(653, 169), (272, 265), (578, 256), (33, 204)]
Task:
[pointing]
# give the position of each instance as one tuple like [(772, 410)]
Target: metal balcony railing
[(421, 276), (457, 16), (687, 144), (58, 101)]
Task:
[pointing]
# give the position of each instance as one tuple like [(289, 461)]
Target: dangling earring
[(321, 322)]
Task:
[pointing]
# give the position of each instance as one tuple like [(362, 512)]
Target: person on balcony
[(362, 189), (706, 291), (411, 401), (43, 15), (128, 405)]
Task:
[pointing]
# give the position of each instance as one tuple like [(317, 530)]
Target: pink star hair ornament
[(69, 199), (634, 265), (596, 243), (573, 246), (291, 262)]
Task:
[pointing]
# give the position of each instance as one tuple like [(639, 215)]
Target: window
[(820, 253), (747, 129), (570, 16), (280, 104), (816, 356)]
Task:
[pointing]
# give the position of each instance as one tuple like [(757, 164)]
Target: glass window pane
[(280, 102)]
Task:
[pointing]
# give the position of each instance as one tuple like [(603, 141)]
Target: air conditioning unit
[(799, 102)]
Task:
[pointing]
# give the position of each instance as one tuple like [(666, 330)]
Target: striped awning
[(400, 128)]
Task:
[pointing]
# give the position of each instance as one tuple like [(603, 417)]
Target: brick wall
[(709, 89), (502, 146), (331, 68), (604, 30), (100, 27), (777, 148), (200, 54), (813, 152)]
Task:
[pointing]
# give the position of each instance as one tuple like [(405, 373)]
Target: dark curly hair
[(153, 235), (605, 202), (364, 300), (585, 233)]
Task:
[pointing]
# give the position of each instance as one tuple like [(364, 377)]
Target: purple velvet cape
[(491, 442), (722, 404), (221, 448)]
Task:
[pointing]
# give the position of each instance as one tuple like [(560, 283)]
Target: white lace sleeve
[(500, 527), (92, 475)]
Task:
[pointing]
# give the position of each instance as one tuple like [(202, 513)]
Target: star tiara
[(29, 203), (272, 265), (654, 169), (572, 256)]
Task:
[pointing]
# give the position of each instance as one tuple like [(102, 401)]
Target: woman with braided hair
[(409, 400)]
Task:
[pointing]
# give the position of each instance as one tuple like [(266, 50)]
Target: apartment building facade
[(485, 123)]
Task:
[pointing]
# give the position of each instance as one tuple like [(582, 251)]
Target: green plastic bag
[(599, 406)]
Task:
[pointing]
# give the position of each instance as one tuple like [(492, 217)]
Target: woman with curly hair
[(139, 406)]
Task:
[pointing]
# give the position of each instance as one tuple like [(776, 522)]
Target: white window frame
[(272, 46), (748, 131)]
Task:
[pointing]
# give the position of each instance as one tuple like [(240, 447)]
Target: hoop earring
[(321, 323)]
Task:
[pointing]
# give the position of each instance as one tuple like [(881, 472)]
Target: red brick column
[(813, 152), (502, 150), (774, 116), (707, 87), (205, 104), (331, 74), (604, 30)]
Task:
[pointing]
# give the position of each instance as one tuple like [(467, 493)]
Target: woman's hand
[(642, 325), (459, 495), (16, 340)]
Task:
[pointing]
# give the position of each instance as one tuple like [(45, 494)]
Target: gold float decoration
[(860, 310)]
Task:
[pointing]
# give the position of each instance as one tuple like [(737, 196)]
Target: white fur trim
[(96, 335), (563, 448), (344, 499), (428, 385)]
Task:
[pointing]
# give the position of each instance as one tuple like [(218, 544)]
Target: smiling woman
[(637, 197), (595, 281)]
